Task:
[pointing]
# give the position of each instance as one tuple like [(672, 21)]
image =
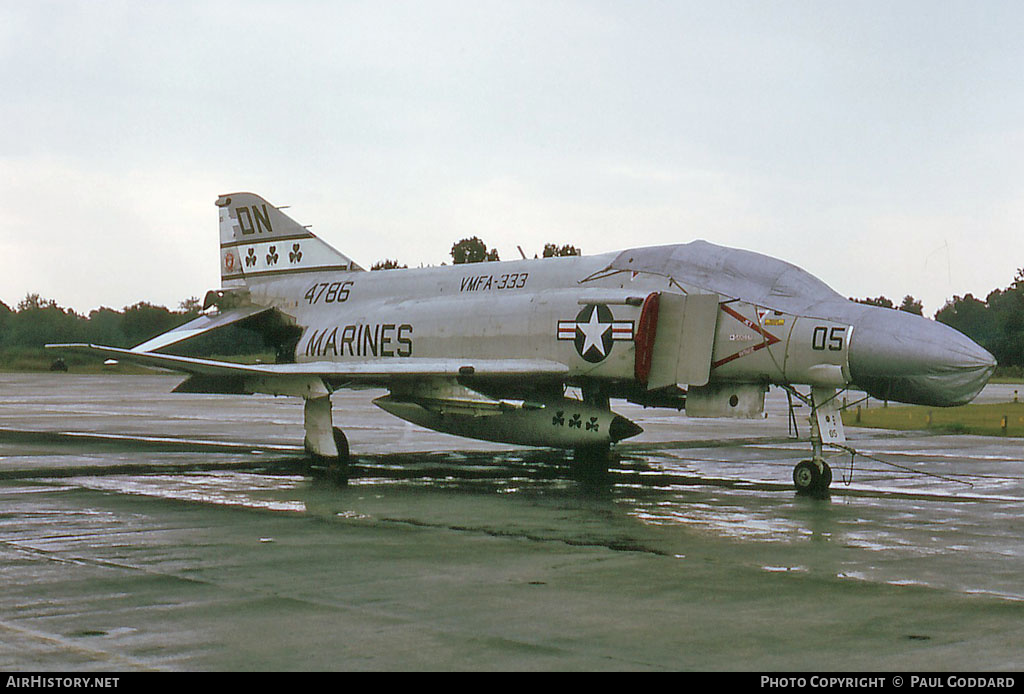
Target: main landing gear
[(325, 444), (335, 469)]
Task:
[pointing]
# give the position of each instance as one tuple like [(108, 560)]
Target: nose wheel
[(812, 479)]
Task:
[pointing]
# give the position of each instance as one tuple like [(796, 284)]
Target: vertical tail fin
[(258, 240)]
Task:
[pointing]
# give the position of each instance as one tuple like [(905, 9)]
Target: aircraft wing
[(380, 371)]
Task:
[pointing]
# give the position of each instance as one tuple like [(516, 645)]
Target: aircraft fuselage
[(539, 309)]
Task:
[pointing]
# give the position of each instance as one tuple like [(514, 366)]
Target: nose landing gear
[(814, 477)]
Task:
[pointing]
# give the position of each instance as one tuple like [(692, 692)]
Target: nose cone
[(896, 355), (622, 428)]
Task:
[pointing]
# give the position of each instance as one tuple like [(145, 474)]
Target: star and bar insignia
[(594, 331)]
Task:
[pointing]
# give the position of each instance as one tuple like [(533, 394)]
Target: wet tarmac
[(143, 530)]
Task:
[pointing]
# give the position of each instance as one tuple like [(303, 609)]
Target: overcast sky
[(879, 145)]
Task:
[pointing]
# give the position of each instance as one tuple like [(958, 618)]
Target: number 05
[(823, 338)]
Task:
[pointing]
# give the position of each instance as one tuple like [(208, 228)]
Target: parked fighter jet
[(488, 350)]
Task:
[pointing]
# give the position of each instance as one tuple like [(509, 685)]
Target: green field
[(1000, 419), (1006, 379)]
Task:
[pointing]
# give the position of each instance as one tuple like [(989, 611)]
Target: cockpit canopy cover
[(734, 273)]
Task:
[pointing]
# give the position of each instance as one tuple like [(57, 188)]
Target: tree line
[(37, 321), (474, 250), (997, 323)]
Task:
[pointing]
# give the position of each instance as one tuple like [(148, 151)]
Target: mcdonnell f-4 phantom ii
[(491, 350)]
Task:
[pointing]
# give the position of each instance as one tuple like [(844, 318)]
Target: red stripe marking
[(769, 339)]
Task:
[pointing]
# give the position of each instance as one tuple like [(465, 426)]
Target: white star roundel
[(594, 331)]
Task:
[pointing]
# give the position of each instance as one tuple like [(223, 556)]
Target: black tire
[(341, 441), (807, 478), (334, 470), (338, 469)]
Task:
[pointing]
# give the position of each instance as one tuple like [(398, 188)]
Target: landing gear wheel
[(341, 441), (808, 479), (334, 470)]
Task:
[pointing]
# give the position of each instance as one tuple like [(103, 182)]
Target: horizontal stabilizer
[(200, 325)]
